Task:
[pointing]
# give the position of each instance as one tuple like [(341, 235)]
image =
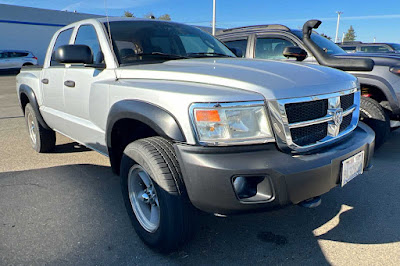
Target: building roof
[(39, 16)]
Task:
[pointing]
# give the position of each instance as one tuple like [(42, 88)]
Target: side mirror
[(74, 54), (296, 52), (238, 52)]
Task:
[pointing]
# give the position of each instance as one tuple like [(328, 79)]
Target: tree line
[(148, 15)]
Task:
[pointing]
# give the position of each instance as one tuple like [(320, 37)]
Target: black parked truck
[(378, 74)]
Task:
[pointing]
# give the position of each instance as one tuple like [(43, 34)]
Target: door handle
[(45, 81), (69, 83)]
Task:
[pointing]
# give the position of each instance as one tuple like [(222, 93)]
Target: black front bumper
[(208, 172)]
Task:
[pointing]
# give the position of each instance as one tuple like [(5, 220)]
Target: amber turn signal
[(207, 116)]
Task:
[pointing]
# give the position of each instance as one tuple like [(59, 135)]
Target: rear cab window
[(62, 39)]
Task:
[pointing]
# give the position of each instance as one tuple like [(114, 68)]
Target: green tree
[(350, 35), (326, 36), (164, 17), (129, 14)]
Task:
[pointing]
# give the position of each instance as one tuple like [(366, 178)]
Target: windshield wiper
[(209, 53), (172, 56)]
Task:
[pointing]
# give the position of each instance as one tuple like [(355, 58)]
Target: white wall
[(32, 38), (31, 29)]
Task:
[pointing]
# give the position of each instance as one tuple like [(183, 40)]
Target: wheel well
[(124, 132), (373, 92), (24, 101)]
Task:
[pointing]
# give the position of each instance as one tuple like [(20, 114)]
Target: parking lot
[(65, 207)]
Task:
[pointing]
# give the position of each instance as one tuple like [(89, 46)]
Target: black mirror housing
[(74, 54), (296, 52), (238, 52)]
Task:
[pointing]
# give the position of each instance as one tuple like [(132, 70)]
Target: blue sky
[(378, 18)]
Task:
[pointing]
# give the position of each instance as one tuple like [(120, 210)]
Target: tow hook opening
[(311, 203), (253, 188)]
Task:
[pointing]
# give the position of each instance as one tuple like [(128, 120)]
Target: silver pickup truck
[(185, 123)]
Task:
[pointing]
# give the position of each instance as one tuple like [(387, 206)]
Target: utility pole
[(337, 25), (343, 38), (374, 39), (213, 21)]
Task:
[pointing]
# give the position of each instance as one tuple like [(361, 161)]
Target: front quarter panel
[(176, 97)]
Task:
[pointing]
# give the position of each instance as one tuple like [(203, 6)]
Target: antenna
[(109, 35), (108, 24)]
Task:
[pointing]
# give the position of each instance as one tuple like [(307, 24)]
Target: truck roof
[(256, 27)]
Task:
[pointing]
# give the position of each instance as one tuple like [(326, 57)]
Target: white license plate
[(352, 167)]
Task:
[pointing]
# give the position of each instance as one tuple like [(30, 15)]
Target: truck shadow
[(71, 147), (75, 214), (9, 72)]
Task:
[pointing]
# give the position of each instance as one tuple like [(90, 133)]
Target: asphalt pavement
[(65, 208)]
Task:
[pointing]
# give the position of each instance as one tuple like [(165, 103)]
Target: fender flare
[(383, 85), (30, 94), (157, 118)]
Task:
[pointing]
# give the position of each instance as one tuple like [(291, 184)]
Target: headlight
[(231, 123)]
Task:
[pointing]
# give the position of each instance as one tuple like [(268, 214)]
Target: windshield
[(138, 41), (327, 45)]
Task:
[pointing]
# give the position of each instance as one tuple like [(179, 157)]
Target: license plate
[(352, 167)]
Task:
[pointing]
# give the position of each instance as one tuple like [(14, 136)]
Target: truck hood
[(272, 79)]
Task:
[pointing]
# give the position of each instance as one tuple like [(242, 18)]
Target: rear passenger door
[(4, 60), (14, 60)]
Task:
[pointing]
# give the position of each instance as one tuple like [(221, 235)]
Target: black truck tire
[(373, 114), (42, 139), (151, 182)]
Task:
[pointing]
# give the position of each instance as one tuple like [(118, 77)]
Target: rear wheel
[(373, 114), (154, 194), (42, 140)]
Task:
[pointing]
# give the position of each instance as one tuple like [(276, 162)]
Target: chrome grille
[(347, 101), (346, 122), (305, 123), (297, 112), (310, 134)]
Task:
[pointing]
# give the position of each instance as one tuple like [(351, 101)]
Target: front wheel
[(154, 194), (373, 114)]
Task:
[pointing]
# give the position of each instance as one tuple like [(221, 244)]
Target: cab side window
[(374, 49), (271, 48), (87, 36), (239, 44), (350, 49), (62, 39)]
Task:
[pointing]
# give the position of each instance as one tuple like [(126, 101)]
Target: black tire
[(44, 140), (157, 157), (373, 114)]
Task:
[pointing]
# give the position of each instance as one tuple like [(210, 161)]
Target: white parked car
[(15, 59)]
